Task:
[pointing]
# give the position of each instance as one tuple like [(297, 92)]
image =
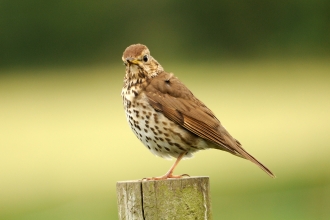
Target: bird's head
[(139, 63)]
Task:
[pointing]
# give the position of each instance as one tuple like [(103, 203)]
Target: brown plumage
[(167, 117)]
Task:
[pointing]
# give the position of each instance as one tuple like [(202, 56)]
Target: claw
[(169, 174), (164, 177)]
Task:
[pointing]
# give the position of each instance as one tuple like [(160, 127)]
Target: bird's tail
[(242, 153)]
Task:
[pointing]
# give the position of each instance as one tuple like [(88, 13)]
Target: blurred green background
[(263, 67)]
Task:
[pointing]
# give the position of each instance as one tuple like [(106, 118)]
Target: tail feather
[(246, 155), (235, 147)]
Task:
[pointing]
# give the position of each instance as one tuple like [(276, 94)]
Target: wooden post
[(185, 198)]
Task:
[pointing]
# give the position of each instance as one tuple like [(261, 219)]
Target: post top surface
[(170, 179)]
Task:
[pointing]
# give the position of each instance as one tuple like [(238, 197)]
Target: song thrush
[(165, 115)]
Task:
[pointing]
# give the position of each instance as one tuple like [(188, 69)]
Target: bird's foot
[(166, 176)]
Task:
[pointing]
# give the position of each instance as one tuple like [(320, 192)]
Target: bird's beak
[(132, 61)]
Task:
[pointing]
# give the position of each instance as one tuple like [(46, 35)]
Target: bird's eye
[(145, 58)]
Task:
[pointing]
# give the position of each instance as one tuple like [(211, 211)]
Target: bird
[(167, 118)]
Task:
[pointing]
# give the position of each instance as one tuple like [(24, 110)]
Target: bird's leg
[(169, 173)]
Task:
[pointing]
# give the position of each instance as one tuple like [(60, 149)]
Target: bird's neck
[(137, 76)]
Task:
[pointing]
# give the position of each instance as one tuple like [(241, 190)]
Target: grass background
[(64, 139)]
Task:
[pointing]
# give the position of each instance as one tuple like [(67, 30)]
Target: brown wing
[(168, 95)]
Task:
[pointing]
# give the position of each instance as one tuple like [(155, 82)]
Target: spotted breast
[(160, 135)]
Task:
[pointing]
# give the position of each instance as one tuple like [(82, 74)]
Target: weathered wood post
[(185, 198)]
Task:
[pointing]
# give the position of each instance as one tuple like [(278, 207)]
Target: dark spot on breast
[(149, 147), (128, 103), (160, 147), (164, 123), (144, 112), (179, 146), (156, 119), (166, 134), (145, 130), (161, 139), (137, 126), (157, 138), (167, 149)]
